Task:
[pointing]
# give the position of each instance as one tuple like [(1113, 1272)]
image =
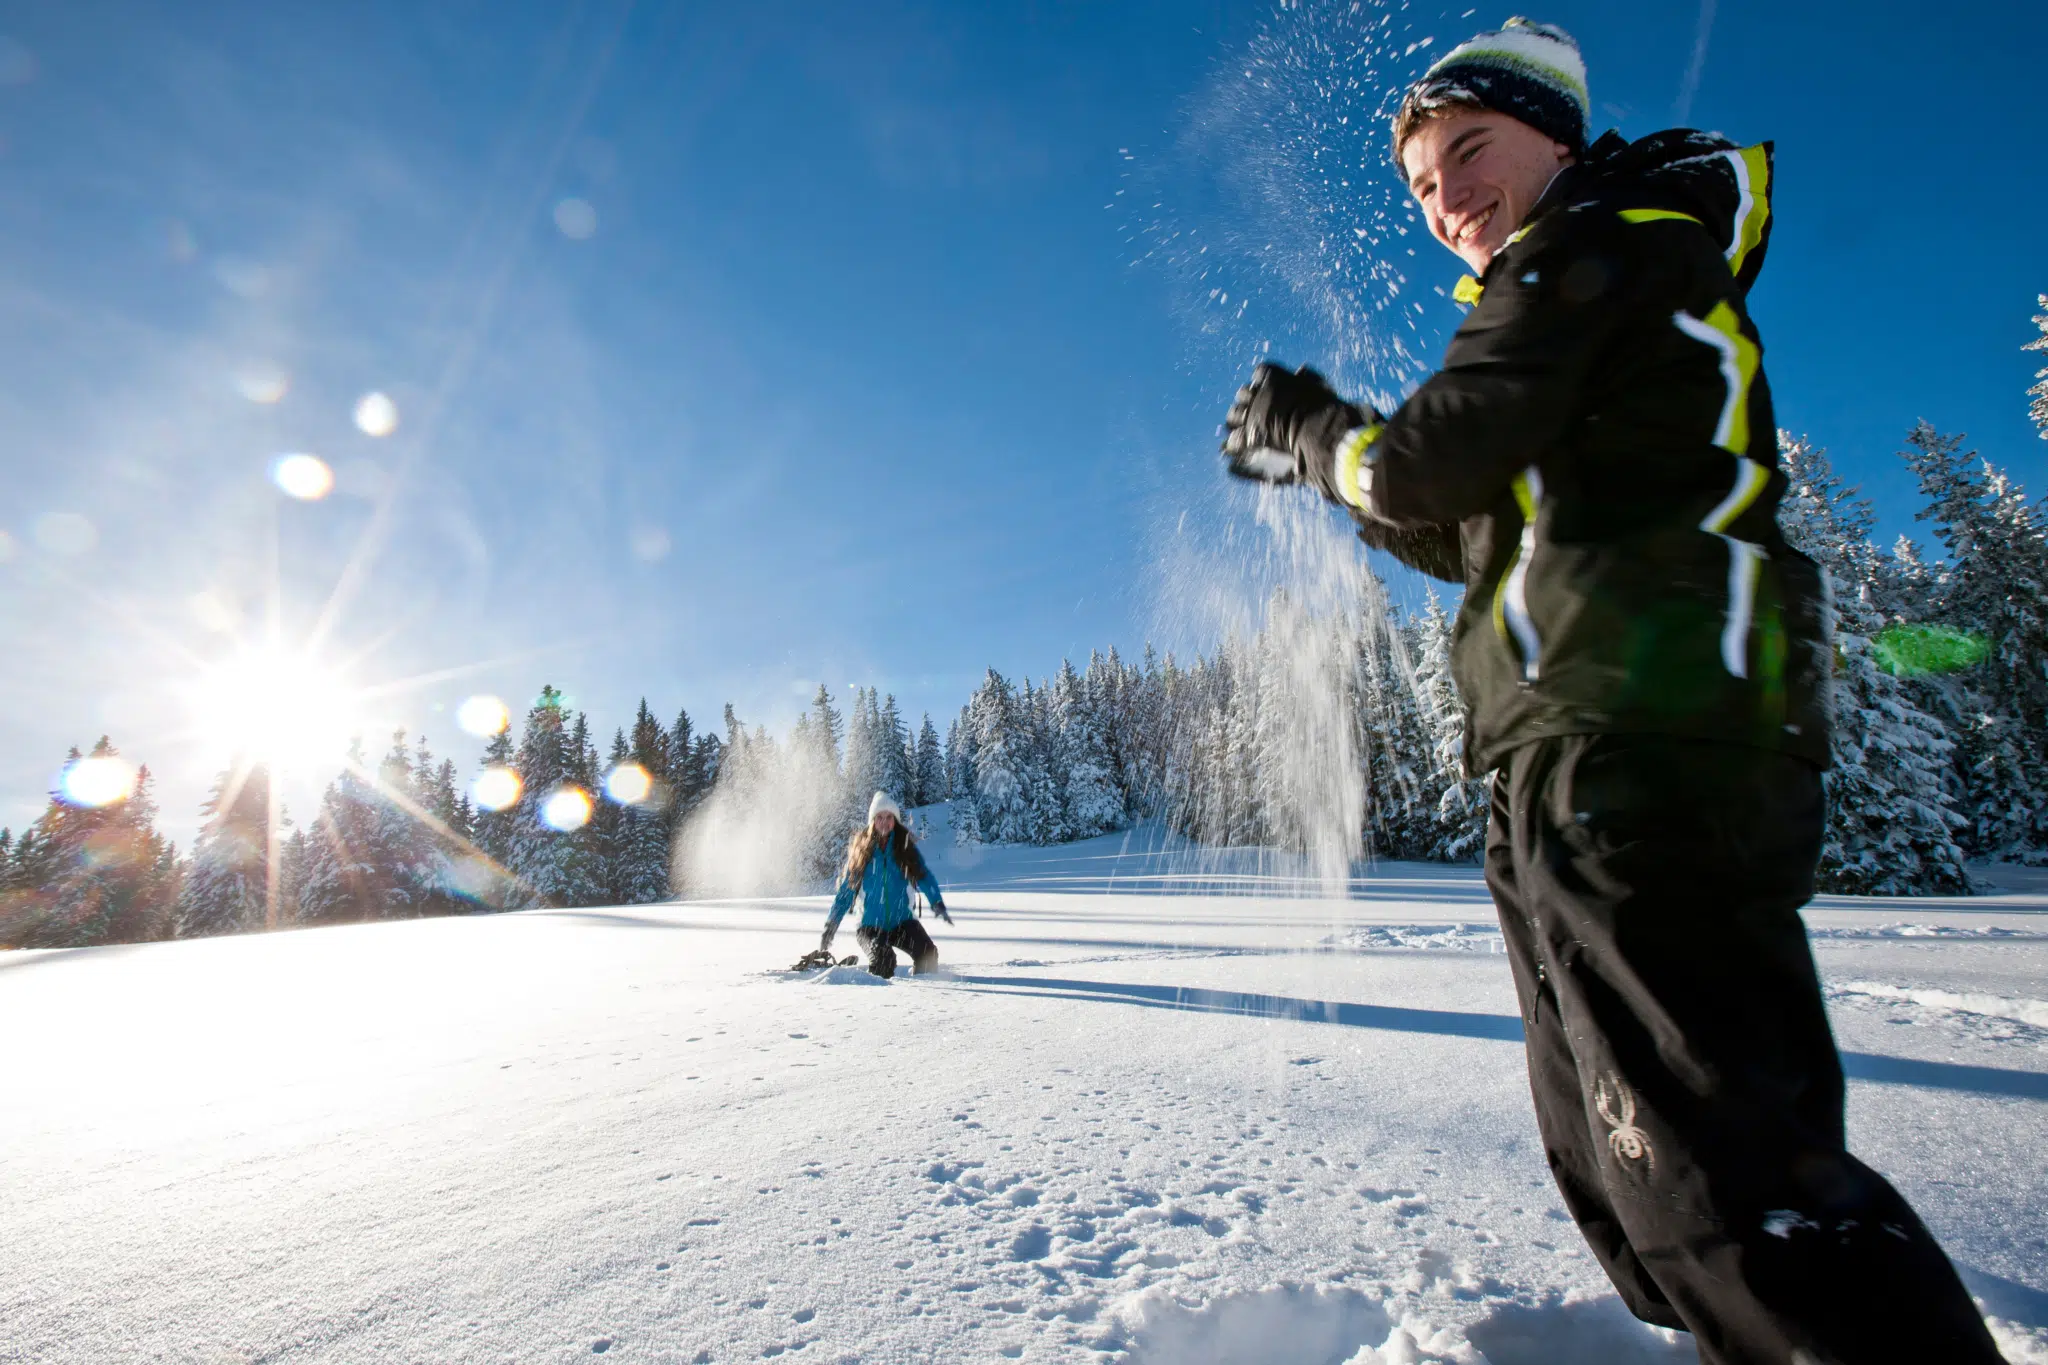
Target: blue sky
[(890, 357)]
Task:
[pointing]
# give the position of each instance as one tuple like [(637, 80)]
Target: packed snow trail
[(1151, 1110)]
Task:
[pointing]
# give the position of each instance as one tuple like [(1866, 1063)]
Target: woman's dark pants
[(909, 936), (1686, 1083)]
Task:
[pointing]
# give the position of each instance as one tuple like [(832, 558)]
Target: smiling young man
[(1642, 661)]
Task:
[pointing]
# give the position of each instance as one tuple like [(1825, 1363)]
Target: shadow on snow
[(1860, 1066)]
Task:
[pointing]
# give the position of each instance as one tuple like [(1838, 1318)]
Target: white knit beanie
[(882, 803)]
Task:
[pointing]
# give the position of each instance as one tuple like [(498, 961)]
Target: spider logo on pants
[(1626, 1141)]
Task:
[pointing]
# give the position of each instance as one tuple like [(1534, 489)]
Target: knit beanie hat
[(880, 803), (1529, 71)]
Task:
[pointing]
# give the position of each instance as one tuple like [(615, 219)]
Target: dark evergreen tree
[(347, 878), (1891, 825), (552, 857), (86, 875), (412, 853), (493, 835), (1995, 584), (610, 835)]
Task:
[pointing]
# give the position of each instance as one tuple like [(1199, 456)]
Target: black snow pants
[(1686, 1082), (909, 936)]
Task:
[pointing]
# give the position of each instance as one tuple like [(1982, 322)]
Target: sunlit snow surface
[(1151, 1111)]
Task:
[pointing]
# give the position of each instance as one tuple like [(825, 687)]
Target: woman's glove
[(939, 909), (1291, 427)]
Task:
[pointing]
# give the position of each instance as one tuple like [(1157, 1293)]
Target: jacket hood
[(1681, 172)]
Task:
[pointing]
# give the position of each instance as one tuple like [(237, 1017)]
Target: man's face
[(1476, 175)]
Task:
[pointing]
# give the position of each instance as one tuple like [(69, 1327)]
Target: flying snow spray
[(1291, 240)]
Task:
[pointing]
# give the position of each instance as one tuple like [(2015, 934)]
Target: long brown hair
[(861, 847)]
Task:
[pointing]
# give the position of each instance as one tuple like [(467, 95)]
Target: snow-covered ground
[(1157, 1109)]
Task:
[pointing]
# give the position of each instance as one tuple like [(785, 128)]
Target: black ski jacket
[(1597, 460)]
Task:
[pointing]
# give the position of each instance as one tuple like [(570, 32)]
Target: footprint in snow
[(1032, 1244)]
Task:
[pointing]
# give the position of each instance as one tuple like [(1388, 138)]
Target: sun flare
[(274, 707)]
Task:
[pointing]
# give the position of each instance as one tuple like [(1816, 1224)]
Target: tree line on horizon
[(1933, 765)]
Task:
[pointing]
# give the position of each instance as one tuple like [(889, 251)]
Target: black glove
[(1286, 427), (940, 910)]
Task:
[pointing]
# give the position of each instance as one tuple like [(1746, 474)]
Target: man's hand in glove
[(939, 909), (1291, 427)]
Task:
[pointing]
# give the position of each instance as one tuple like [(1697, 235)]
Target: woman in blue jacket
[(882, 864)]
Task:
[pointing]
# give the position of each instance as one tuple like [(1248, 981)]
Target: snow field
[(1126, 1123)]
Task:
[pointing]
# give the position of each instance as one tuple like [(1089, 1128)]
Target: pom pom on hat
[(881, 803), (1529, 71)]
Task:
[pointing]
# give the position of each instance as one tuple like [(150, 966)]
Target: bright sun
[(275, 707)]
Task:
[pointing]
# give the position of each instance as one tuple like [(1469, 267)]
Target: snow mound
[(1456, 938), (1279, 1325), (2020, 1011), (844, 976)]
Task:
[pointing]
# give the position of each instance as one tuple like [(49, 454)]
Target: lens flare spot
[(262, 382), (98, 781), (568, 809), (650, 544), (305, 477), (213, 613), (495, 788), (576, 219), (628, 784), (376, 414), (483, 716)]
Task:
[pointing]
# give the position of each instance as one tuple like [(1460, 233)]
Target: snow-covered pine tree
[(815, 794), (465, 876), (1045, 820), (892, 753), (408, 848), (87, 875), (346, 877), (1144, 731), (929, 776), (553, 865), (1995, 584), (227, 882), (1094, 799), (960, 779), (493, 833), (686, 783), (654, 819), (2038, 409), (1891, 827), (1002, 799), (1463, 804), (1103, 687), (960, 758), (863, 770), (610, 837), (291, 875)]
